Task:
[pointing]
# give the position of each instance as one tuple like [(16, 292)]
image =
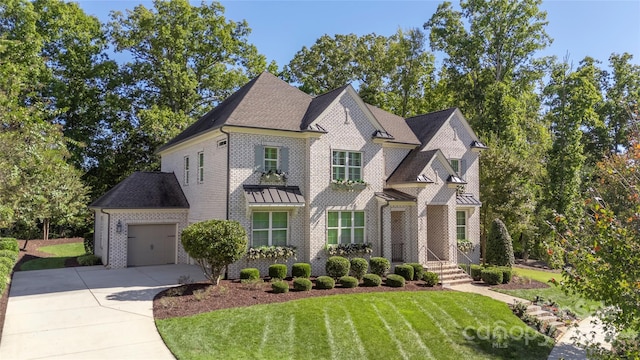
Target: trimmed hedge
[(430, 278), (301, 270), (359, 267), (395, 280), (7, 262), (249, 274), (406, 271), (499, 247), (278, 271), (492, 276), (302, 284), (349, 282), (507, 272), (476, 271), (379, 266), (89, 260), (371, 280), (13, 255), (325, 283), (337, 267), (9, 244), (88, 242), (280, 287), (418, 270)]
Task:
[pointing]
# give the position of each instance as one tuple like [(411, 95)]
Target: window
[(186, 170), (461, 225), (455, 164), (200, 167), (269, 229), (222, 143), (270, 159), (346, 165), (345, 227)]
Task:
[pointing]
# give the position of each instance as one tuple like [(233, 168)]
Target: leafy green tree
[(499, 246), (214, 244)]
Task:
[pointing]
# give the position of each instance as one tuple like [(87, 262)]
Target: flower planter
[(348, 186)]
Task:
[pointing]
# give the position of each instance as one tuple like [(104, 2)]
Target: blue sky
[(281, 28)]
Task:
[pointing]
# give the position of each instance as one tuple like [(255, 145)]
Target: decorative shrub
[(418, 270), (7, 262), (302, 284), (325, 283), (371, 280), (301, 270), (507, 272), (499, 248), (5, 269), (476, 271), (395, 280), (278, 271), (379, 266), (349, 249), (280, 287), (349, 281), (13, 255), (359, 267), (89, 260), (9, 244), (88, 242), (430, 278), (249, 274), (3, 283), (492, 276), (406, 271), (337, 267)]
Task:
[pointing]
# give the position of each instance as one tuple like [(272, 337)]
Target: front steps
[(548, 318), (449, 273)]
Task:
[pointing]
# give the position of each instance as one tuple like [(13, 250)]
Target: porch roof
[(395, 195), (467, 199), (259, 195)]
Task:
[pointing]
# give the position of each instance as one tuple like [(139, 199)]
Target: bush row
[(9, 251), (492, 275)]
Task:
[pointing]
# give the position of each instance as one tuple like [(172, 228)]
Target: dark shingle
[(144, 190), (426, 126), (318, 105), (395, 126), (410, 168)]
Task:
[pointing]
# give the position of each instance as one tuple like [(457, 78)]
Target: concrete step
[(547, 318), (533, 308), (539, 313), (457, 281)]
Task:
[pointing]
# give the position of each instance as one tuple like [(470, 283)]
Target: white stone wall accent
[(118, 243)]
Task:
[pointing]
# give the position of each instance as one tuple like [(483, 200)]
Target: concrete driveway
[(87, 313)]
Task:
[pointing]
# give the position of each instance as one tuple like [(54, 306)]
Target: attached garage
[(139, 221)]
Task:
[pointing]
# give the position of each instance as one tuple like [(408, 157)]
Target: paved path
[(87, 313), (486, 291)]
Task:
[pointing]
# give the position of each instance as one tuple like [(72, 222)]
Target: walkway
[(87, 313)]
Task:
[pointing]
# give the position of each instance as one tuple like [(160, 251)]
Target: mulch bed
[(31, 253)]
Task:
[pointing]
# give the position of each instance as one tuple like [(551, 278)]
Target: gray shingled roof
[(144, 190), (318, 105), (395, 195), (410, 168), (273, 195), (427, 125), (395, 125)]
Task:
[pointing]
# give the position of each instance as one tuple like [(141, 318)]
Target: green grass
[(580, 306), (61, 253), (394, 325)]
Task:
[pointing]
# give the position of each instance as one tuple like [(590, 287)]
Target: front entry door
[(397, 236)]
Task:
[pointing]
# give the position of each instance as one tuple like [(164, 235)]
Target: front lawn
[(408, 325), (60, 252)]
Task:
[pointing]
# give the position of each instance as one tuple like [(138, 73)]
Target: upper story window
[(346, 165), (201, 167), (186, 170), (345, 227), (459, 166), (270, 159), (222, 143), (269, 228)]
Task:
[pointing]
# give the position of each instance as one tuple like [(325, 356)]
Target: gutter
[(228, 169), (108, 235), (382, 228)]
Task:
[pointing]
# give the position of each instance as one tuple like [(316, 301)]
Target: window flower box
[(349, 250), (348, 185), (273, 176), (274, 253)]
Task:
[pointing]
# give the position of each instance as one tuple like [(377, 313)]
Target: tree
[(214, 244), (499, 247)]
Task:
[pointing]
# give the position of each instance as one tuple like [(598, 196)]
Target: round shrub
[(337, 267), (13, 255), (302, 284), (371, 280), (418, 270), (349, 281), (430, 278), (9, 244), (325, 283), (476, 271), (507, 272), (89, 260), (395, 280), (492, 276), (280, 287), (379, 266), (359, 267), (301, 270), (278, 271), (249, 274), (406, 271), (499, 248)]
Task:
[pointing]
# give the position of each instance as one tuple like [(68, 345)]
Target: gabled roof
[(394, 125), (144, 190), (427, 125), (318, 105), (411, 167)]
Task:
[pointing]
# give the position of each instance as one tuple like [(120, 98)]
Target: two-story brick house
[(413, 183)]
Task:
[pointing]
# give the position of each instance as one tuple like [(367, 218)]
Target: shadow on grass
[(43, 263)]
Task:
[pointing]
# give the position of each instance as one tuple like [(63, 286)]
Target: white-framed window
[(346, 165), (461, 224), (345, 227), (186, 170), (201, 167), (222, 143), (269, 228), (455, 164), (271, 158)]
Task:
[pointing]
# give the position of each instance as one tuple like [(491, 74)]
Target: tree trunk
[(45, 229)]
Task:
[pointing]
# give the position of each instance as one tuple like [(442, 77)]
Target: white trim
[(466, 223), (211, 134), (200, 172), (346, 165), (270, 228), (264, 157), (339, 228)]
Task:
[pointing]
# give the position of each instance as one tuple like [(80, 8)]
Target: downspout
[(108, 236), (382, 228), (226, 268)]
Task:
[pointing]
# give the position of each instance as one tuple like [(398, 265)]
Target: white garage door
[(151, 245)]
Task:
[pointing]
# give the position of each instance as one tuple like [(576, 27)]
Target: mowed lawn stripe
[(354, 334), (391, 333), (412, 331), (459, 351)]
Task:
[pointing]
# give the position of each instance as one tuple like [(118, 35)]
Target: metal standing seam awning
[(285, 197), (396, 197)]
